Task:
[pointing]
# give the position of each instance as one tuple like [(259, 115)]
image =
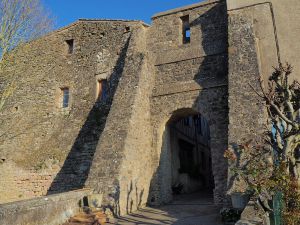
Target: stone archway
[(190, 154), (185, 160), (212, 104)]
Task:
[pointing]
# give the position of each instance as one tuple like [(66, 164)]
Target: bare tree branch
[(20, 22)]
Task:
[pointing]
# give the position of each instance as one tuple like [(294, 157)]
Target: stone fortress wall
[(190, 78), (180, 76), (47, 145), (118, 145)]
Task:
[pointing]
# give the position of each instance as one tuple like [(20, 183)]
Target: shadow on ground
[(76, 167), (195, 209)]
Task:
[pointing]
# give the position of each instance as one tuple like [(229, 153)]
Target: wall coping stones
[(179, 87), (183, 54), (237, 4), (185, 8), (253, 214), (114, 20), (51, 210), (82, 20)]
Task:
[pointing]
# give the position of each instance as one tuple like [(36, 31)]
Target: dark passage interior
[(190, 155)]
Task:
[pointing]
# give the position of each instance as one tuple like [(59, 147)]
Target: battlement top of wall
[(185, 8)]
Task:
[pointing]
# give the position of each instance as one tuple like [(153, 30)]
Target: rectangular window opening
[(70, 44), (188, 34), (65, 97), (186, 30), (102, 88), (127, 29)]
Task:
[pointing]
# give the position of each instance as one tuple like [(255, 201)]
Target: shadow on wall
[(76, 167), (156, 193), (212, 103), (114, 196), (138, 197), (214, 70)]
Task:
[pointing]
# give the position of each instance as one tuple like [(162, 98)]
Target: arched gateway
[(169, 110)]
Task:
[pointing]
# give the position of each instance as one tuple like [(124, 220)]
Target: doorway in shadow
[(190, 155)]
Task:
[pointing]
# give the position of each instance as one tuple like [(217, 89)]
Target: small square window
[(102, 89), (127, 29), (187, 35), (186, 30), (70, 44), (65, 92)]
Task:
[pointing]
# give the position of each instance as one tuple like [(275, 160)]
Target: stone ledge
[(237, 4), (253, 214), (178, 54), (183, 54), (50, 210), (179, 87), (189, 7), (247, 222)]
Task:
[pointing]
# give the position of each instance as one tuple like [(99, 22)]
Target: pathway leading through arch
[(192, 209)]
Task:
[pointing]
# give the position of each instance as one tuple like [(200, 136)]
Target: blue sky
[(68, 11)]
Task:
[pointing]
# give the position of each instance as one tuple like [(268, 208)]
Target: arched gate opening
[(190, 154), (185, 159)]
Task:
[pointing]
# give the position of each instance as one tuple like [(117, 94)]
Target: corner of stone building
[(117, 169), (252, 53)]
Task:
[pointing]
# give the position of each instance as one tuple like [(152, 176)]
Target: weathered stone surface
[(105, 152), (252, 214), (117, 168), (45, 138), (50, 210), (245, 112), (119, 146), (178, 67), (283, 19), (247, 222)]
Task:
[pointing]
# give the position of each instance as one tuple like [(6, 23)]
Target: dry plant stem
[(283, 109)]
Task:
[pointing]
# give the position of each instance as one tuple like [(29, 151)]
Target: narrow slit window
[(65, 97), (70, 44), (127, 29), (188, 34), (186, 30), (102, 90)]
